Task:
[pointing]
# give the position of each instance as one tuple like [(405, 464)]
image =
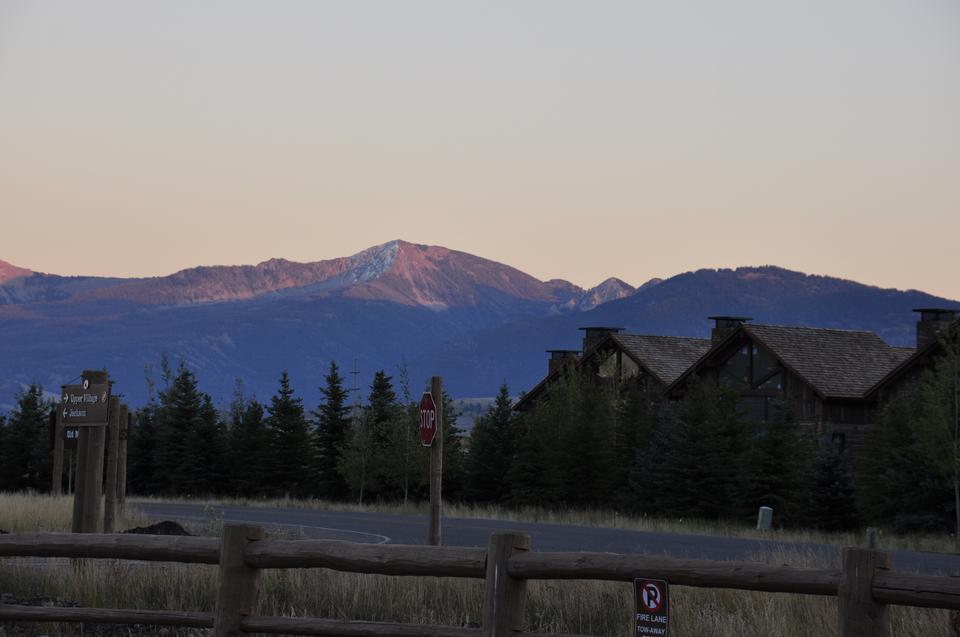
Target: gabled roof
[(664, 357), (915, 357), (836, 363)]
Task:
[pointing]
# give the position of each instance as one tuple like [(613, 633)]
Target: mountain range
[(429, 309)]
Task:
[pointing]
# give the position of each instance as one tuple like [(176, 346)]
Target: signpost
[(431, 422), (85, 404), (653, 607)]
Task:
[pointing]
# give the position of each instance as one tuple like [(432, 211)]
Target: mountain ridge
[(398, 271), (430, 309)]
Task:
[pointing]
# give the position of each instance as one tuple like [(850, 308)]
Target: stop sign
[(428, 419)]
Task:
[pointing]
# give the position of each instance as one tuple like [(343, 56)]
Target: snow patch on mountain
[(371, 263)]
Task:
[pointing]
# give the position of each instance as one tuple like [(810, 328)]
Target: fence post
[(504, 597), (237, 582), (860, 615)]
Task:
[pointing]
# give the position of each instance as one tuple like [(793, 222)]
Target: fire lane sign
[(85, 404), (428, 419), (653, 607)]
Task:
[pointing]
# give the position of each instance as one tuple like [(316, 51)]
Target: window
[(755, 367), (764, 364), (775, 382), (736, 370)]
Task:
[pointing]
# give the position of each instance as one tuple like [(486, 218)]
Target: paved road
[(381, 528)]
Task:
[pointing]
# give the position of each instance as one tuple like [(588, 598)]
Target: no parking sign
[(653, 607)]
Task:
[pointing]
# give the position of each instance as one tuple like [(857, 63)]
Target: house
[(614, 356), (823, 375), (934, 324)]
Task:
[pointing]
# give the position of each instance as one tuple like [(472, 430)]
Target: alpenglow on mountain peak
[(396, 271)]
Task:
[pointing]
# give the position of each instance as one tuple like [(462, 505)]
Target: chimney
[(723, 325), (933, 323), (560, 358), (594, 334)]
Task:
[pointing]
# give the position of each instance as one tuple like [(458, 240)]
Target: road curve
[(382, 528)]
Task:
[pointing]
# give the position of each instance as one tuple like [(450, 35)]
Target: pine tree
[(408, 464), (832, 504), (205, 466), (454, 471), (356, 460), (330, 435), (493, 447), (586, 445), (249, 442), (691, 467), (180, 414), (914, 444), (382, 418), (290, 449), (536, 476), (775, 469), (639, 413), (142, 445), (26, 443)]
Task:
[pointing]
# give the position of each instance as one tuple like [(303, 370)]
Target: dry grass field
[(589, 608)]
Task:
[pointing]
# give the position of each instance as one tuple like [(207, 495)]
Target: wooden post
[(79, 485), (56, 484), (860, 615), (436, 465), (93, 495), (90, 449), (504, 597), (113, 431), (122, 476), (237, 593)]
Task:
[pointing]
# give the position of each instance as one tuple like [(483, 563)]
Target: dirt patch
[(166, 527)]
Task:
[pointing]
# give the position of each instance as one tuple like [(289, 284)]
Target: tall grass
[(26, 512)]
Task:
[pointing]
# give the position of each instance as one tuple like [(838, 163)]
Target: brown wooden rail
[(865, 585)]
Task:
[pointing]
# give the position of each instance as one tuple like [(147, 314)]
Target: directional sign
[(428, 419), (84, 404), (653, 607), (70, 437)]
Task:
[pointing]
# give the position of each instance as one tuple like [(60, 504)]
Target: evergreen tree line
[(698, 457), (583, 446), (180, 445)]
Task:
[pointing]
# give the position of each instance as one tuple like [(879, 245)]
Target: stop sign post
[(431, 422), (428, 419)]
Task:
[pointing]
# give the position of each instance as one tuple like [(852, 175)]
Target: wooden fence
[(864, 585)]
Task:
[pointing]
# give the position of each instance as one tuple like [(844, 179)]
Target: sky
[(575, 140)]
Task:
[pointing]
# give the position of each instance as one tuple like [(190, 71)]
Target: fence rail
[(865, 585)]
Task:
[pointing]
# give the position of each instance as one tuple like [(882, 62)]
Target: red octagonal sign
[(428, 419)]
